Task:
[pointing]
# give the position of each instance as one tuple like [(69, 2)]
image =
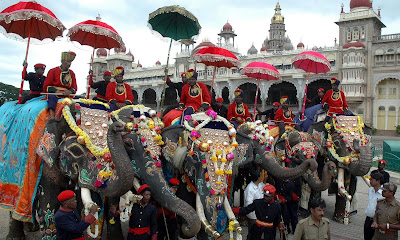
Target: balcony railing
[(388, 37)]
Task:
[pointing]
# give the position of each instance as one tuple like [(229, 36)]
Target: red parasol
[(311, 62), (260, 70), (96, 34), (30, 20), (217, 57)]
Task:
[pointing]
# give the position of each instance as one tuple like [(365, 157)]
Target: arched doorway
[(276, 91), (381, 117), (135, 97), (225, 95), (391, 120), (170, 97), (314, 86), (249, 90), (149, 98)]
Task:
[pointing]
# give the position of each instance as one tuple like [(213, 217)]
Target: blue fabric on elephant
[(19, 125)]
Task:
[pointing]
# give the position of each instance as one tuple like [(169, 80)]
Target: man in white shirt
[(374, 194), (252, 192)]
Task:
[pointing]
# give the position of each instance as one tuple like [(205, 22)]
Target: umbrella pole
[(165, 80), (24, 71), (305, 92), (212, 82), (90, 75), (255, 101)]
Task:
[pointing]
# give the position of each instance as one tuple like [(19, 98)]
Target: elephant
[(92, 158), (346, 141), (208, 152)]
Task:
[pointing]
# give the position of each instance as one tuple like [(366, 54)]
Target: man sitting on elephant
[(284, 116), (119, 94), (238, 111), (334, 101)]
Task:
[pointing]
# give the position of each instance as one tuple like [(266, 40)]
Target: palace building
[(366, 62)]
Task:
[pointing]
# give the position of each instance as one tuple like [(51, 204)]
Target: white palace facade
[(366, 62)]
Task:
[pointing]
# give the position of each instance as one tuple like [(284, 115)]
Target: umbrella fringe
[(98, 30), (177, 9), (26, 14), (313, 58), (260, 70), (215, 58), (34, 41)]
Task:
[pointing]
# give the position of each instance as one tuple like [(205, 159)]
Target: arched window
[(362, 32), (392, 108), (381, 108), (356, 34), (348, 34)]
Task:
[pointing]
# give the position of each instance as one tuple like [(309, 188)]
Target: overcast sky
[(309, 21)]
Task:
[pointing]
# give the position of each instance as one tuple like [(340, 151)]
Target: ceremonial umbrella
[(311, 62), (26, 20), (217, 57), (260, 70), (176, 23), (96, 34)]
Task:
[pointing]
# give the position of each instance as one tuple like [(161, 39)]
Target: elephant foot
[(29, 227)]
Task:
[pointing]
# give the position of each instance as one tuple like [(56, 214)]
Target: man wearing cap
[(284, 116), (381, 170), (374, 194), (318, 99), (334, 101), (143, 221), (119, 94), (219, 107), (101, 87), (315, 226), (177, 86), (68, 221), (168, 217), (268, 213), (270, 113), (387, 214), (36, 81), (238, 112), (60, 81)]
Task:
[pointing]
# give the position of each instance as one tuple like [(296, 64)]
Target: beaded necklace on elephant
[(349, 129)]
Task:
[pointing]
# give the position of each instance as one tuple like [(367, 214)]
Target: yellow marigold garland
[(89, 102)]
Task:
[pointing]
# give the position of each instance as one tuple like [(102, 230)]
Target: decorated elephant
[(79, 150), (208, 152), (346, 141)]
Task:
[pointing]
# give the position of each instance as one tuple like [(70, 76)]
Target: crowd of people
[(267, 206)]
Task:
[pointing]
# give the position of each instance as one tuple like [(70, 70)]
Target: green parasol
[(176, 23)]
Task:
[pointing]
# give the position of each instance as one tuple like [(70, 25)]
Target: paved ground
[(353, 231)]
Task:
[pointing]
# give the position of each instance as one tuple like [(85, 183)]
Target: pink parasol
[(30, 20), (311, 62), (217, 57), (96, 34), (260, 70)]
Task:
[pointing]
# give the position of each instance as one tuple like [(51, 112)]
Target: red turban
[(183, 74), (220, 99), (142, 188), (39, 65), (276, 104), (65, 195), (382, 161), (269, 189), (106, 73), (174, 182), (321, 90)]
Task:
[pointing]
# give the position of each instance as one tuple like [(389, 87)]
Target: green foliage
[(373, 129), (398, 129), (9, 93)]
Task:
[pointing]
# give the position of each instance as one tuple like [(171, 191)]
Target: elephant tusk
[(86, 198), (367, 181), (341, 188), (231, 215), (136, 183), (200, 212)]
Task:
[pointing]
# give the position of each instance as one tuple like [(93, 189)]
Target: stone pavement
[(353, 231)]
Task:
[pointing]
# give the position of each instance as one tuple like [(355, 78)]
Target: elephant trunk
[(270, 163), (363, 165), (118, 187), (320, 185)]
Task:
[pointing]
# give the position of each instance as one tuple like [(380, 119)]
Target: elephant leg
[(16, 230), (114, 229), (305, 197), (344, 197)]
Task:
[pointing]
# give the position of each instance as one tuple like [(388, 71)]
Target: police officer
[(268, 213), (387, 214)]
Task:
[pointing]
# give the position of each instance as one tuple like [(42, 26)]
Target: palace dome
[(300, 45), (158, 63), (130, 54), (353, 45), (263, 49), (360, 3), (227, 26), (101, 52), (252, 50)]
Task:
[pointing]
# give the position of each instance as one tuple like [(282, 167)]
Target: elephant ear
[(48, 147)]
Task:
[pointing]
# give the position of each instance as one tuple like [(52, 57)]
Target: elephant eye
[(76, 150), (129, 144)]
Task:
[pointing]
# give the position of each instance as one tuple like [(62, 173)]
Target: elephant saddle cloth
[(21, 128), (350, 128)]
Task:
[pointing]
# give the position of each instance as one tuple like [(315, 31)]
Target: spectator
[(381, 170), (219, 107), (374, 194)]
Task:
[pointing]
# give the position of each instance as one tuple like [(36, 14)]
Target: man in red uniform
[(60, 82), (334, 101), (119, 94), (195, 95), (101, 87), (238, 112), (284, 116)]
